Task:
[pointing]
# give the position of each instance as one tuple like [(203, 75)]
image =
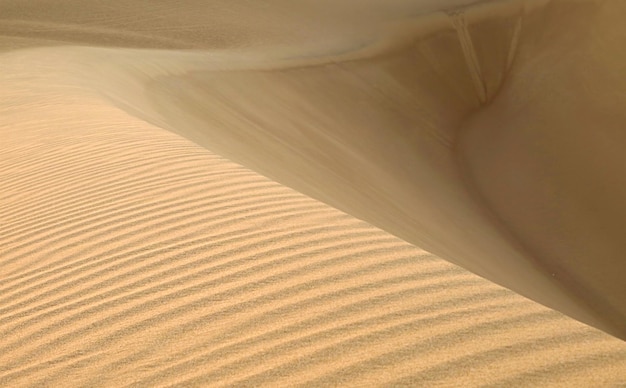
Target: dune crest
[(402, 137), (132, 256)]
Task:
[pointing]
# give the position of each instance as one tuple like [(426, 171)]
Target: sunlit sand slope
[(488, 133), (132, 257)]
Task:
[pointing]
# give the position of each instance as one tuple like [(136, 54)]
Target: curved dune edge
[(375, 133), (130, 256)]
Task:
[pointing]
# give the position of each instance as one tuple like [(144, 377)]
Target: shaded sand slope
[(199, 24), (132, 257), (489, 135)]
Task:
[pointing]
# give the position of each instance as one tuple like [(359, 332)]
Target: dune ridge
[(423, 94), (130, 256), (144, 259)]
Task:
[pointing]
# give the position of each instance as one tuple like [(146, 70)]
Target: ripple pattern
[(131, 257)]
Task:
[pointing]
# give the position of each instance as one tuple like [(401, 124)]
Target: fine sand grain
[(150, 233)]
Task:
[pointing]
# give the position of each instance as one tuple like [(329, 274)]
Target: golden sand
[(150, 234)]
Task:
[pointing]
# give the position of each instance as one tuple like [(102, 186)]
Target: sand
[(167, 170)]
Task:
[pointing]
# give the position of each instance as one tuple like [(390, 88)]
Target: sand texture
[(319, 193)]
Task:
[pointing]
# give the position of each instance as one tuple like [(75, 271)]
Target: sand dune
[(133, 256)]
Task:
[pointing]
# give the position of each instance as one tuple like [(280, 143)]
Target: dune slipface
[(487, 133), (480, 134)]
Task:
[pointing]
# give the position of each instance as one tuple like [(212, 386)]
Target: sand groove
[(132, 257), (469, 52)]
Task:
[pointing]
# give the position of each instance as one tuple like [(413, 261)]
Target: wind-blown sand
[(488, 135)]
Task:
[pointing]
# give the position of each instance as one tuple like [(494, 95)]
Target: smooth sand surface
[(486, 133)]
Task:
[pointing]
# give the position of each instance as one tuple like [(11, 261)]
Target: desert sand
[(319, 193)]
